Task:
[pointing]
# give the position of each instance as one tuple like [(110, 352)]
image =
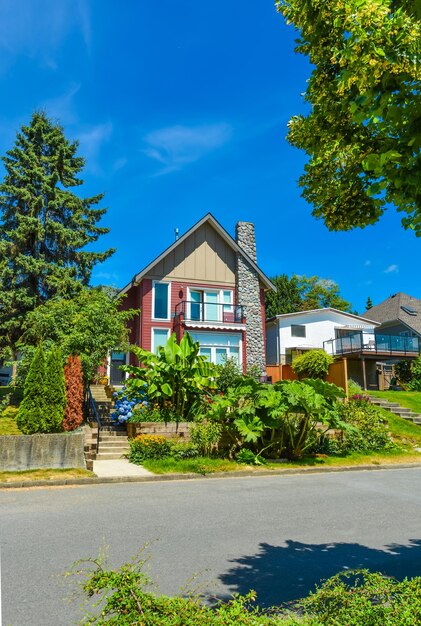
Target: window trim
[(161, 282), (168, 331)]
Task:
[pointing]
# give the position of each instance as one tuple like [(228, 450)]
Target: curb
[(173, 477)]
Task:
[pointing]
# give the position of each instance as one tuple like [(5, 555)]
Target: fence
[(338, 373)]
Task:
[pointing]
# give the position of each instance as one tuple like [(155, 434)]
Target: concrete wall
[(56, 451)]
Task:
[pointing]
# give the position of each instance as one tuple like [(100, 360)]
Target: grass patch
[(198, 465), (409, 399), (44, 474)]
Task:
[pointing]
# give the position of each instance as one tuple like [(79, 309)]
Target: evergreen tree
[(31, 415), (55, 392), (44, 226), (286, 298), (368, 304), (73, 416)]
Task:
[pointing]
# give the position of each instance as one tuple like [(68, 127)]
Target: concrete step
[(109, 456), (113, 436), (113, 449)]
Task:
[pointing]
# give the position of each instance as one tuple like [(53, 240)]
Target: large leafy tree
[(302, 293), (363, 132), (44, 225), (89, 325)]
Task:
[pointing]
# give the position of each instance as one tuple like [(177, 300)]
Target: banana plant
[(178, 377)]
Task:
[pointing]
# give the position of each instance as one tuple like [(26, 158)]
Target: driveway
[(278, 535)]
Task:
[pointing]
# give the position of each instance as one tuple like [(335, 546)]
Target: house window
[(227, 300), (161, 301), (218, 347), (159, 338), (209, 305), (298, 330)]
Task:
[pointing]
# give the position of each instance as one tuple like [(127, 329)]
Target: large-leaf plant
[(177, 377), (285, 419)]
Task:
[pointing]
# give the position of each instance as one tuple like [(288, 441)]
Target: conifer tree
[(73, 416), (31, 416), (44, 226), (55, 392), (368, 304)]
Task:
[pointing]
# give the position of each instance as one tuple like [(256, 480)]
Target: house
[(205, 283), (399, 316), (291, 334)]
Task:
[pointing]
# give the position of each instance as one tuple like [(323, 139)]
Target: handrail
[(92, 408), (193, 311)]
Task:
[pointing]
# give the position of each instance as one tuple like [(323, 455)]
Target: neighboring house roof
[(399, 307), (311, 311), (225, 236)]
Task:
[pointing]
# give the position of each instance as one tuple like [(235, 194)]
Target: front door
[(117, 376)]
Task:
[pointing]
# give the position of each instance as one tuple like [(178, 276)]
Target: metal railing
[(210, 312), (92, 412), (372, 342)]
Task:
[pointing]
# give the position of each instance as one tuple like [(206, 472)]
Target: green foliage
[(229, 374), (415, 383), (365, 430), (368, 304), (44, 226), (55, 391), (403, 371), (177, 377), (148, 447), (302, 293), (362, 135), (206, 435), (312, 364), (353, 387), (354, 598), (73, 374), (180, 450), (247, 456), (277, 420), (90, 325), (5, 402), (31, 415)]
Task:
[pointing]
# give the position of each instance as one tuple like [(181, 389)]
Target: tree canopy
[(363, 132), (44, 226), (302, 293), (89, 325)]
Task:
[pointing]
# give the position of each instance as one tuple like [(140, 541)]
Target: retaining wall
[(56, 451)]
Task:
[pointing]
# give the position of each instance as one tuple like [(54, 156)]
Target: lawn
[(408, 399), (44, 474)]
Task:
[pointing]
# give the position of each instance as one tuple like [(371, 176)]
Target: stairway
[(397, 409), (113, 443)]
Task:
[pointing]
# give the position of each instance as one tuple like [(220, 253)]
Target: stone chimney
[(248, 295)]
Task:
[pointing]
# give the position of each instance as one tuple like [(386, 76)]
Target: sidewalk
[(118, 468)]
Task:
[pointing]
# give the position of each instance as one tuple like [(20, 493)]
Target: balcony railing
[(373, 343), (210, 312)]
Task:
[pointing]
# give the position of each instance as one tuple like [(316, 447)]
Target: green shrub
[(181, 450), (312, 364), (353, 387), (124, 597), (403, 371), (10, 412), (148, 447), (366, 430), (55, 391), (206, 436), (31, 416), (247, 456), (415, 383), (229, 375)]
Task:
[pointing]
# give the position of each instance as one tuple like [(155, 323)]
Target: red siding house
[(208, 284)]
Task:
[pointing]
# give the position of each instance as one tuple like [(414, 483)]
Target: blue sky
[(180, 109)]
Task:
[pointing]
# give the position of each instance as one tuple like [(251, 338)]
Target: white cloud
[(177, 146), (91, 141), (62, 106), (392, 269)]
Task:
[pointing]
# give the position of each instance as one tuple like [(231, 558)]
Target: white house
[(290, 334)]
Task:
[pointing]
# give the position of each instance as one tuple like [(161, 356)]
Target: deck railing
[(210, 312), (372, 343)]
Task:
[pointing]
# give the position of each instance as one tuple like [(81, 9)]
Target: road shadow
[(280, 574)]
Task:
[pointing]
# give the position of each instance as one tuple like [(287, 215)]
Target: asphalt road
[(278, 535)]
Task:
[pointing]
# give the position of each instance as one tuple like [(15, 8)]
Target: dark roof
[(224, 234), (399, 307)]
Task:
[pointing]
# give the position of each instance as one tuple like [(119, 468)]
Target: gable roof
[(393, 309), (208, 218), (331, 309)]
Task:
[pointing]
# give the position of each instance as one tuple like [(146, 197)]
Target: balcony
[(210, 313), (369, 343)]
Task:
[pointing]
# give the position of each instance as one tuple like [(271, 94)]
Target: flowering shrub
[(148, 447), (125, 405)]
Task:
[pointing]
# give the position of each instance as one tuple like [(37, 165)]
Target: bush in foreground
[(123, 597)]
